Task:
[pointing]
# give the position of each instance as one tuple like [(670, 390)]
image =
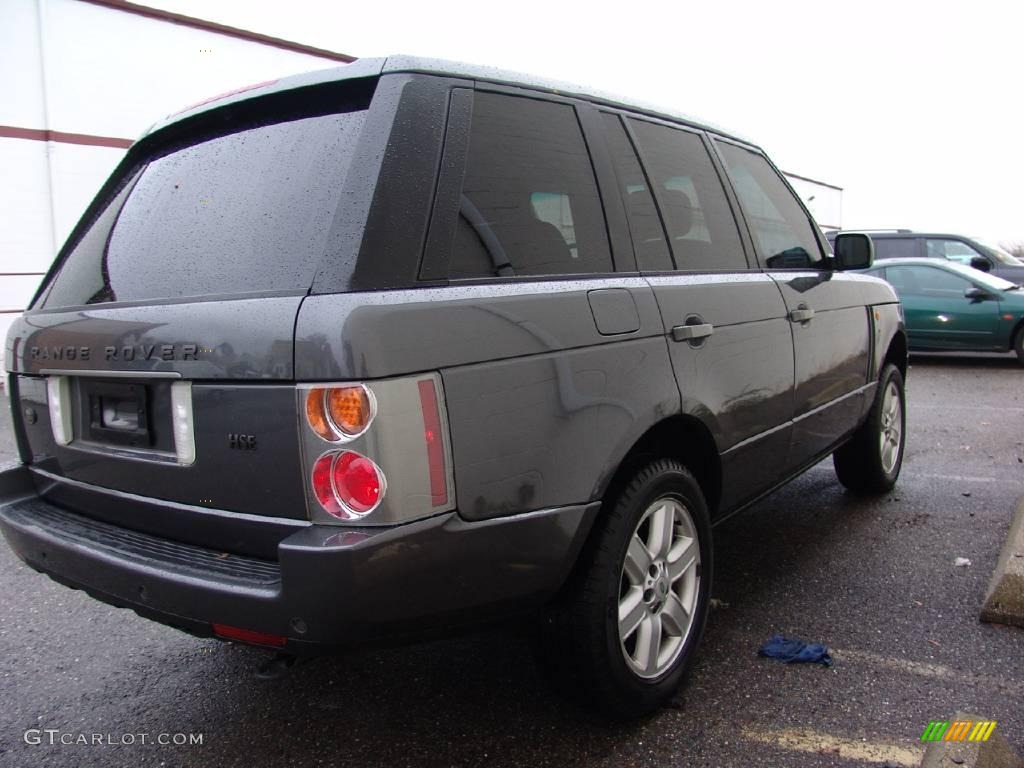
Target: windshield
[(982, 278), (248, 212), (1000, 254)]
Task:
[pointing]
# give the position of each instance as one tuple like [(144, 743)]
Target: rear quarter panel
[(542, 405)]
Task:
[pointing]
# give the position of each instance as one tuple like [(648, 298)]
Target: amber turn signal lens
[(350, 409), (340, 413), (316, 415)]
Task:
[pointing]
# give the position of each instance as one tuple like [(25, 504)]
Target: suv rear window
[(246, 212)]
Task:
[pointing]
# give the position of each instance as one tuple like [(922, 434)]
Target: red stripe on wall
[(36, 134), (221, 29)]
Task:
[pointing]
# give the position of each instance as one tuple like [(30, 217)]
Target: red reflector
[(248, 636), (433, 438)]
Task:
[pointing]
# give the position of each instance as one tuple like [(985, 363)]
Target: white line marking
[(848, 749), (957, 478), (954, 407), (927, 669), (910, 475)]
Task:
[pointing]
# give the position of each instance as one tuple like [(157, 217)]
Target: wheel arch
[(682, 437), (1018, 328), (897, 353)]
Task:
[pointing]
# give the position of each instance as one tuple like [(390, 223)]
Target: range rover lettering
[(408, 345)]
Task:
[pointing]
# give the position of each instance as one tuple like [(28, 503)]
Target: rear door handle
[(802, 314), (691, 332)]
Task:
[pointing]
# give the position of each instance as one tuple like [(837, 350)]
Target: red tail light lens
[(358, 482), (347, 484), (322, 487)]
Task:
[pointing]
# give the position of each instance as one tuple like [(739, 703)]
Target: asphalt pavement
[(874, 580)]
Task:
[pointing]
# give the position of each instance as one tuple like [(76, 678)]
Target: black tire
[(579, 642), (1018, 344), (861, 463)]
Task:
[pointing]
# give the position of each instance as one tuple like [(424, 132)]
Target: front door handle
[(802, 314), (691, 332)]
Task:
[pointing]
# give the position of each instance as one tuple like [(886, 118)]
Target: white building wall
[(824, 201)]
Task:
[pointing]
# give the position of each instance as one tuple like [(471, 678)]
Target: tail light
[(376, 453), (347, 484), (58, 397)]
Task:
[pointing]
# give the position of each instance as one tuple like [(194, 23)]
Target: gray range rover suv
[(407, 345)]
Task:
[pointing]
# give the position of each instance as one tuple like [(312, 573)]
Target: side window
[(954, 250), (529, 202), (895, 247), (927, 281), (701, 228), (648, 235), (782, 230)]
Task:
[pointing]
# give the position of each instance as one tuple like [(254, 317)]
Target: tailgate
[(120, 373)]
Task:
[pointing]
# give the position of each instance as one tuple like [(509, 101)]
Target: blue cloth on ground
[(792, 650)]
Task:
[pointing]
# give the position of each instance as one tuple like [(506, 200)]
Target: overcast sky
[(915, 109)]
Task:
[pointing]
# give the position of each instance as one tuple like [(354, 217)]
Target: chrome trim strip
[(110, 374), (114, 493), (743, 443)]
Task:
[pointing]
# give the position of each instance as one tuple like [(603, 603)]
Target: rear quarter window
[(247, 212), (529, 203)]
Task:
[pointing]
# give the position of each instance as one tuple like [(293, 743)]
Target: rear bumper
[(329, 586)]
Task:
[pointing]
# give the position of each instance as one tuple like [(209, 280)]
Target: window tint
[(241, 213), (926, 281), (648, 235), (895, 247), (702, 230), (782, 231), (529, 203), (954, 250)]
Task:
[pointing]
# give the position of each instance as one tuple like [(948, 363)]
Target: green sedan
[(949, 306)]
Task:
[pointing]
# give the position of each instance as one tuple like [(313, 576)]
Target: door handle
[(802, 314), (691, 332)]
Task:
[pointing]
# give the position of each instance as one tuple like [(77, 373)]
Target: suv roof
[(365, 68)]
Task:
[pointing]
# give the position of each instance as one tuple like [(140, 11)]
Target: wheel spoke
[(638, 560), (675, 617), (659, 585), (662, 525), (648, 644), (632, 611), (684, 559)]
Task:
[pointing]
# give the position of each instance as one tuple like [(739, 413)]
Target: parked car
[(948, 306), (409, 345), (983, 256)]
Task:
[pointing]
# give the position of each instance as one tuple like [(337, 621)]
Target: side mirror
[(974, 293), (853, 250), (980, 262)]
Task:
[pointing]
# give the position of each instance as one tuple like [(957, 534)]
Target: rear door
[(725, 321), (827, 313)]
